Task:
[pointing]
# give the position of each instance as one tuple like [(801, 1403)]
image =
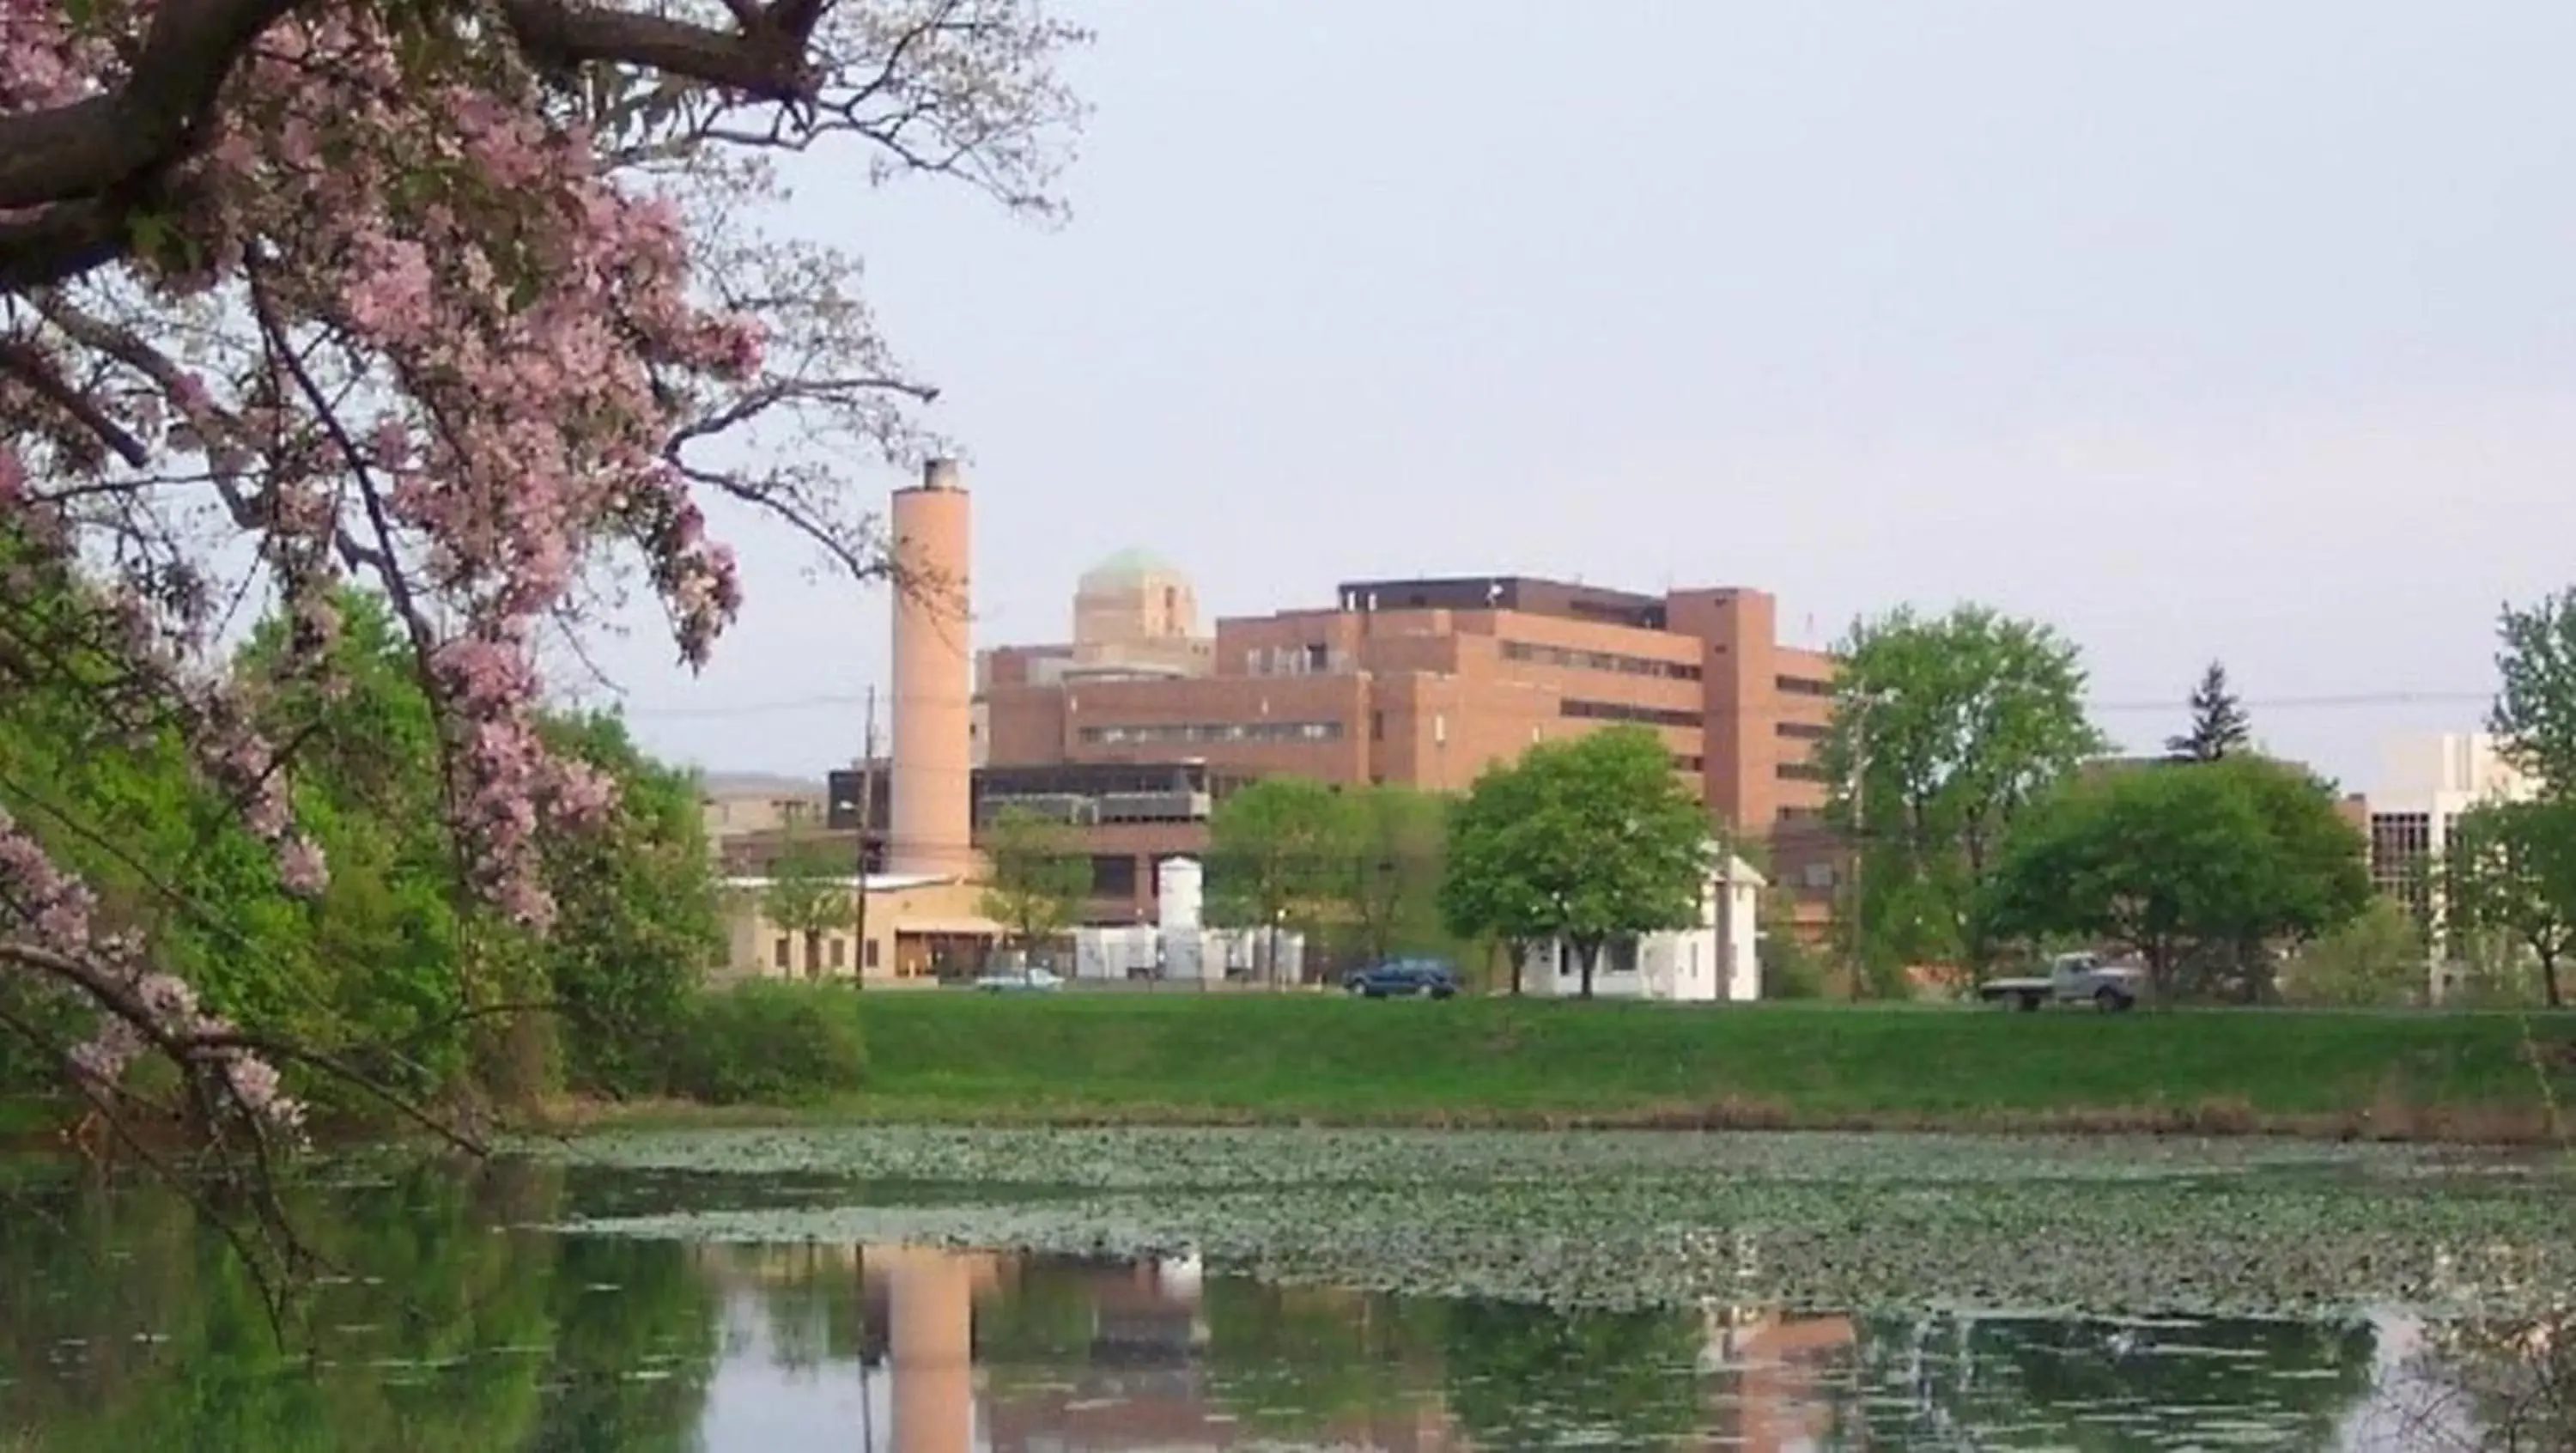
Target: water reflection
[(130, 1328)]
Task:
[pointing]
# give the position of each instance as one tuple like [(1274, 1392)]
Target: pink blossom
[(301, 868)]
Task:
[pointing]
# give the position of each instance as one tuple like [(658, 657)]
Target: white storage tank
[(1179, 886)]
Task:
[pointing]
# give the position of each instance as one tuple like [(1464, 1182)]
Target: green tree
[(2535, 709), (1484, 894), (2509, 873), (638, 916), (1582, 842), (809, 894), (2375, 961), (1390, 884), (2219, 726), (1279, 852), (1945, 729), (1040, 877), (2201, 869)]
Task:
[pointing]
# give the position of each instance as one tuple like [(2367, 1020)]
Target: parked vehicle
[(1019, 981), (1404, 979), (2072, 979)]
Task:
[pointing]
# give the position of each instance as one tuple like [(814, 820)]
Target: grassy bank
[(1244, 1058)]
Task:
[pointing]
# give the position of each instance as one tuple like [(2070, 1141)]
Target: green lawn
[(1181, 1056)]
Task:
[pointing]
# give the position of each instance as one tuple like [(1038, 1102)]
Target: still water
[(439, 1315)]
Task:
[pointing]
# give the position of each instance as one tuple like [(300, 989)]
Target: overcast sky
[(2197, 328)]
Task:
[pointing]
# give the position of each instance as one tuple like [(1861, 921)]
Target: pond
[(920, 1291)]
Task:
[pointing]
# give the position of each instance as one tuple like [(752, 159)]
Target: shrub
[(769, 1044), (1790, 969)]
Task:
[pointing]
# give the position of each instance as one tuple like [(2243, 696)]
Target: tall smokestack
[(931, 823)]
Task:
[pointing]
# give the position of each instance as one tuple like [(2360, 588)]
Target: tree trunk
[(1517, 954), (2549, 981), (1586, 956)]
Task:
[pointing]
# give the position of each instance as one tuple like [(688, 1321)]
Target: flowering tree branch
[(465, 303)]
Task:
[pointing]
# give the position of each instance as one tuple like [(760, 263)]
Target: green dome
[(1127, 567)]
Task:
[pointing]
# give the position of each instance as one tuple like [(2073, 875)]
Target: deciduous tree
[(1945, 728), (2219, 726), (1278, 853), (2509, 872), (811, 891), (467, 301), (1391, 879), (2202, 869), (1040, 876), (2375, 961), (1582, 841), (2535, 709)]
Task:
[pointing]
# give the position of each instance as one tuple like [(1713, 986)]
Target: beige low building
[(918, 928)]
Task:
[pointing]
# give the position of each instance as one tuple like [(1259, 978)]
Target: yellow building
[(919, 927)]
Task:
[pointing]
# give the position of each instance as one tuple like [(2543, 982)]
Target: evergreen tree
[(2219, 726)]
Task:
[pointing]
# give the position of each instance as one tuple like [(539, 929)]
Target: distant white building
[(1180, 946), (2426, 784), (1719, 961)]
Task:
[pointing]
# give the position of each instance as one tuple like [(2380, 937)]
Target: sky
[(2196, 329)]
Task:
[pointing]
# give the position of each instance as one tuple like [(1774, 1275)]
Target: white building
[(2426, 783), (1180, 946), (1719, 961)]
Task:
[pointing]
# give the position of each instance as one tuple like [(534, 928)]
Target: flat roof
[(1531, 594), (877, 882)]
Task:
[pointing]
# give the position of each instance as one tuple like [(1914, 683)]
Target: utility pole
[(867, 812), (1860, 839)]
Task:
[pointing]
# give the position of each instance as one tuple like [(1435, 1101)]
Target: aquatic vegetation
[(1619, 1222)]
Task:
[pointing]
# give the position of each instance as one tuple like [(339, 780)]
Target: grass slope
[(1224, 1058)]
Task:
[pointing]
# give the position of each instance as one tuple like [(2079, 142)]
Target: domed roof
[(1128, 567)]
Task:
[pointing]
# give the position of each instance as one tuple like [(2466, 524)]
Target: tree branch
[(84, 170)]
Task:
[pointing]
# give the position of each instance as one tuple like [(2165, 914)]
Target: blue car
[(1404, 979)]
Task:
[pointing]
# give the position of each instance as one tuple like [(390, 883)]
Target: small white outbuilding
[(1717, 962)]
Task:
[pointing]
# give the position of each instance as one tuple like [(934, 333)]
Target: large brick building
[(1423, 682)]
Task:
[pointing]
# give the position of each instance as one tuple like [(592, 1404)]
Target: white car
[(1019, 981)]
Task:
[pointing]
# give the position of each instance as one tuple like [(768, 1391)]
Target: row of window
[(1213, 731), (1621, 711), (1804, 731), (1802, 772), (1803, 686), (782, 954), (1599, 661)]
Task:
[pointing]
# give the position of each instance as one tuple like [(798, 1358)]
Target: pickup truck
[(2072, 979)]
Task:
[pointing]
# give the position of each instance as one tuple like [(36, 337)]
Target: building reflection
[(970, 1352)]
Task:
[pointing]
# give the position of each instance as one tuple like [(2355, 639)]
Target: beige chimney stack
[(931, 825)]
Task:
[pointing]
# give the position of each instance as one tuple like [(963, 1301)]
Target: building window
[(781, 953), (1621, 711), (1146, 733), (1377, 726), (1804, 686), (1113, 875), (1684, 762), (1573, 660), (868, 953), (1804, 731), (1802, 772), (840, 954)]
